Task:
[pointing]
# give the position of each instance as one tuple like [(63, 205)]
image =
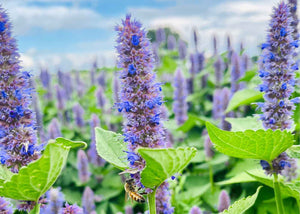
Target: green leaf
[(243, 97), (240, 178), (248, 75), (71, 144), (243, 204), (192, 121), (163, 163), (260, 144), (294, 151), (242, 124), (5, 173), (286, 189), (37, 177), (110, 146)]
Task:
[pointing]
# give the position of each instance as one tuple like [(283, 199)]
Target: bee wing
[(130, 171)]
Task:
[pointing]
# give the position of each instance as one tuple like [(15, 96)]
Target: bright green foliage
[(287, 189), (36, 178), (242, 124), (240, 178), (294, 151), (260, 144), (5, 174), (110, 146), (243, 97), (243, 204), (248, 75), (161, 164)]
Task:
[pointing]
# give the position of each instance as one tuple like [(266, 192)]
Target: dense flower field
[(164, 131)]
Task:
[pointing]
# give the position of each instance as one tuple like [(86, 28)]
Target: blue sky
[(70, 34)]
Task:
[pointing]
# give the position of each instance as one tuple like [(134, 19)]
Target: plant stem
[(279, 203), (151, 202), (211, 177)]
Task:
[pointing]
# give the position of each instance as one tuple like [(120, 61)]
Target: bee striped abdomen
[(137, 197)]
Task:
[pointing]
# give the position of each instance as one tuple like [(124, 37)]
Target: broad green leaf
[(161, 164), (110, 147), (242, 124), (36, 178), (5, 174), (192, 121), (260, 144), (243, 97), (286, 189), (240, 178), (248, 75), (71, 144), (243, 204), (294, 151)]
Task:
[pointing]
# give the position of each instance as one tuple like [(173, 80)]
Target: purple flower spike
[(195, 37), (54, 129), (116, 89), (208, 148), (277, 71), (78, 113), (180, 106), (83, 167), (61, 98), (72, 209), (140, 100), (18, 137), (182, 49), (160, 35), (219, 71), (100, 98), (215, 45), (235, 72), (195, 210), (55, 201), (295, 20), (45, 78), (171, 42), (93, 72), (5, 207), (88, 201), (128, 210), (220, 102), (93, 156), (224, 201)]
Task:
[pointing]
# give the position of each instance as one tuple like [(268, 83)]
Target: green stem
[(211, 177), (298, 203), (151, 202), (279, 203)]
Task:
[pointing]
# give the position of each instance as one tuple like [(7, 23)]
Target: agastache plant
[(5, 207), (224, 201), (180, 106), (141, 100), (18, 138), (72, 209), (171, 42), (195, 210), (295, 21), (182, 49), (83, 167), (88, 201)]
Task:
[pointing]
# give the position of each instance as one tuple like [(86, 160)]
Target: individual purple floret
[(5, 207), (83, 167), (171, 43), (18, 137), (277, 70), (55, 200), (93, 72), (208, 148), (182, 49), (88, 201), (224, 201), (140, 97), (236, 71), (295, 20), (78, 114), (94, 158), (72, 209), (219, 71), (195, 210), (180, 106), (54, 129), (221, 99), (160, 35), (100, 96)]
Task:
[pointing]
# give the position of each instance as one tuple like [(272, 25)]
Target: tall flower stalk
[(277, 71), (18, 137), (141, 100)]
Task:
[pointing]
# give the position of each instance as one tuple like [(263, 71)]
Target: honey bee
[(132, 191)]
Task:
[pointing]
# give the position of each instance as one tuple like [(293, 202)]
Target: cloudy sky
[(70, 34)]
